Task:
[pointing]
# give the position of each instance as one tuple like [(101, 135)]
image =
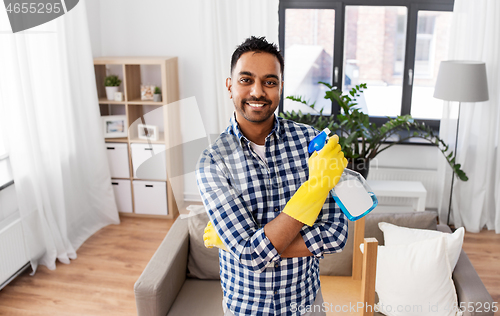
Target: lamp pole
[(453, 175)]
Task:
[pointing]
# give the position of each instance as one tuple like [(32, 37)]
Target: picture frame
[(114, 126), (118, 96), (147, 131), (147, 92)]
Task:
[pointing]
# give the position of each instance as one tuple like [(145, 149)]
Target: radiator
[(12, 251), (429, 179)]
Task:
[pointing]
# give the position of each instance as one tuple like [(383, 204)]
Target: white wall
[(409, 157), (94, 23), (173, 28), (151, 28), (155, 28)]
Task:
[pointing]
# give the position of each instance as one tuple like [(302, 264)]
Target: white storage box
[(118, 160), (150, 197), (123, 195), (153, 157)]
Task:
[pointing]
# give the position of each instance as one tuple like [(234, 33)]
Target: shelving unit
[(132, 71)]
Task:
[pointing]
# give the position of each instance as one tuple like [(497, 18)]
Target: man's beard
[(244, 105)]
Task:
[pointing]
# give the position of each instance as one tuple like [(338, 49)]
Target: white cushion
[(415, 279), (396, 235)]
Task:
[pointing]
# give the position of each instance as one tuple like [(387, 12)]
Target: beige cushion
[(203, 263), (420, 220), (340, 264), (198, 297)]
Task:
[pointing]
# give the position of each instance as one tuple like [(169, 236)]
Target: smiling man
[(271, 214)]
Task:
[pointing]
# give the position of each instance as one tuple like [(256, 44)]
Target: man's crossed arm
[(325, 169)]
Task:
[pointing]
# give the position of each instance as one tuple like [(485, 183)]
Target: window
[(309, 50), (395, 46), (374, 41), (399, 62), (433, 29)]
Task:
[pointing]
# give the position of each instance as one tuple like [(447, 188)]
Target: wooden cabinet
[(161, 72)]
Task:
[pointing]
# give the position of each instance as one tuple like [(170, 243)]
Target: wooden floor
[(100, 281), (483, 250)]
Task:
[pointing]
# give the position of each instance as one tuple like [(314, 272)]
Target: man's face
[(255, 87)]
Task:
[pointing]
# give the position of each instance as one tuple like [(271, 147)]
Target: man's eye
[(271, 83), (244, 80)]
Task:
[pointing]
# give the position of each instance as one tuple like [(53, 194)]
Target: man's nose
[(257, 90)]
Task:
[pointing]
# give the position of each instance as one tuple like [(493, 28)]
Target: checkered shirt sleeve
[(231, 217), (329, 232)]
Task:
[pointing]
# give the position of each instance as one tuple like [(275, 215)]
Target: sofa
[(182, 276)]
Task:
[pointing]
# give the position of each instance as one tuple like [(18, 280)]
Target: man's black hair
[(258, 45)]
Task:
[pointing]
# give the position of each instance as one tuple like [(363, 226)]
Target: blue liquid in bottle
[(352, 193)]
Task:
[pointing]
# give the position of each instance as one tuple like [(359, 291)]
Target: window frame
[(413, 7)]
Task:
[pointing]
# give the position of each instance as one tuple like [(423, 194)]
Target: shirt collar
[(277, 128)]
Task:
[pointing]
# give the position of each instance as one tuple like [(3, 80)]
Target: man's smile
[(256, 105)]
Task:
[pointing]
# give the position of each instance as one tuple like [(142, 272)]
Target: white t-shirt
[(260, 150)]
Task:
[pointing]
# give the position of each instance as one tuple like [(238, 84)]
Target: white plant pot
[(110, 93), (157, 97)]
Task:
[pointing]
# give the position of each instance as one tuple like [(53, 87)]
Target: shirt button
[(276, 265), (276, 210), (275, 292)]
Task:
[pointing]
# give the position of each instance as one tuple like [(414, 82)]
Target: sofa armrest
[(470, 288), (163, 277), (444, 228)]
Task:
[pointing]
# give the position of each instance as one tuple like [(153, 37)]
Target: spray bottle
[(352, 193)]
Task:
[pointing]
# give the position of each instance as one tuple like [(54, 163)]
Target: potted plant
[(111, 82), (157, 95), (362, 140)]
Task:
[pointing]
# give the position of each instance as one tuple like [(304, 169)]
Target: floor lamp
[(462, 81)]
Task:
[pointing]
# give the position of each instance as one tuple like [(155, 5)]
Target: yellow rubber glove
[(211, 239), (325, 169)]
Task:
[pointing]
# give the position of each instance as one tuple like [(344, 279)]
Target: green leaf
[(358, 137), (326, 84)]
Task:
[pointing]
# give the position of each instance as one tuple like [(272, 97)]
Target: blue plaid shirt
[(241, 194)]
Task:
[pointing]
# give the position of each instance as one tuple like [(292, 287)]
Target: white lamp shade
[(463, 81)]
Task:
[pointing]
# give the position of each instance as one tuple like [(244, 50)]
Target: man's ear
[(229, 84)]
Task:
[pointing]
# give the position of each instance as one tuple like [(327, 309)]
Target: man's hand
[(211, 239), (327, 166), (325, 169)]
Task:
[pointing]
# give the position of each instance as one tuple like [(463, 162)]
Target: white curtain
[(50, 113), (475, 35), (226, 24)]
